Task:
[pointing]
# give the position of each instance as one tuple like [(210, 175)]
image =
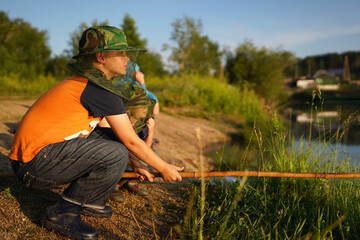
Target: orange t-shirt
[(57, 116)]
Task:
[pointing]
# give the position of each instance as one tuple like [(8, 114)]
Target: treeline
[(23, 48), (26, 57), (311, 64)]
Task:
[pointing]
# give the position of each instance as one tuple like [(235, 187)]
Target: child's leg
[(133, 186)]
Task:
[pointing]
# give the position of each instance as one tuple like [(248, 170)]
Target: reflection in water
[(324, 121), (335, 151), (334, 132), (340, 129)]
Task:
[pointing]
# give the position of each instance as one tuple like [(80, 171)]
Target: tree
[(150, 62), (203, 55), (193, 52), (56, 66), (261, 69), (76, 35), (331, 61), (23, 48), (130, 30)]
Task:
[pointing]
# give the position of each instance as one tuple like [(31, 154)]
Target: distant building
[(305, 83), (326, 80)]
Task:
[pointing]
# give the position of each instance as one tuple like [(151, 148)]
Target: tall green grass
[(282, 208), (207, 96), (13, 84)]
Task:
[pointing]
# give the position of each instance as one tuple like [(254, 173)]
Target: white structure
[(306, 83)]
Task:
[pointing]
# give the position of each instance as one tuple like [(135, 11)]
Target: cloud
[(301, 37), (234, 35)]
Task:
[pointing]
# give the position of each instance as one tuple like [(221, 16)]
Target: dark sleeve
[(100, 102)]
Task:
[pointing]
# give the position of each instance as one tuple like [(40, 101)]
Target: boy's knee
[(113, 149), (121, 151), (121, 155)]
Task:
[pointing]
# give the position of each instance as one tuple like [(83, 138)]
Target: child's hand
[(140, 168), (156, 109), (140, 78), (150, 123), (144, 173)]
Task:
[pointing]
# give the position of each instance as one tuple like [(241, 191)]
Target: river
[(315, 127), (332, 119)]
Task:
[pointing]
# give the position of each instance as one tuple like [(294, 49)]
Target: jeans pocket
[(31, 181), (46, 150)]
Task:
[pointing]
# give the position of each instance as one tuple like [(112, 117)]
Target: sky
[(305, 28)]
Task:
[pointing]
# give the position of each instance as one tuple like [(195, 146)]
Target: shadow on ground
[(33, 203)]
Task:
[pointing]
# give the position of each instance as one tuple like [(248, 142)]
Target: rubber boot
[(106, 212), (65, 218)]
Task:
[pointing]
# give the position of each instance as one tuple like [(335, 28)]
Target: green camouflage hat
[(104, 39)]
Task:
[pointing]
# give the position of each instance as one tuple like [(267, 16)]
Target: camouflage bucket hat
[(104, 39)]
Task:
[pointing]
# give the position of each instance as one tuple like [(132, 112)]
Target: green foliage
[(207, 95), (13, 84), (150, 63), (204, 56), (259, 69), (56, 66), (233, 157), (131, 32), (282, 208), (193, 53), (23, 48)]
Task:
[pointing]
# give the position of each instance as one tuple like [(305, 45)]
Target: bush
[(12, 84), (207, 95)]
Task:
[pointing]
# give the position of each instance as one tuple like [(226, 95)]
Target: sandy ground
[(152, 217)]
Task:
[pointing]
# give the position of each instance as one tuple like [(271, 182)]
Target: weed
[(282, 208), (207, 96)]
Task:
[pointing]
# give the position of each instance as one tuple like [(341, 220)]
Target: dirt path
[(137, 218)]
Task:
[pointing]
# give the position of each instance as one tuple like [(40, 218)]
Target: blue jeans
[(92, 166)]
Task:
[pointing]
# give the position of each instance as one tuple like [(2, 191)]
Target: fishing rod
[(237, 174)]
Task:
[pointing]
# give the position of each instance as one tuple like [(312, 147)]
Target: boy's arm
[(122, 128)]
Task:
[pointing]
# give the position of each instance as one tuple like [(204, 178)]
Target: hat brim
[(113, 49)]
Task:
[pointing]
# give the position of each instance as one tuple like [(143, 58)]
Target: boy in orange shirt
[(54, 144)]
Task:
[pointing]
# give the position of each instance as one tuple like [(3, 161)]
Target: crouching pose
[(54, 144)]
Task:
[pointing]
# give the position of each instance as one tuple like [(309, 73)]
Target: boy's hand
[(171, 173)]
